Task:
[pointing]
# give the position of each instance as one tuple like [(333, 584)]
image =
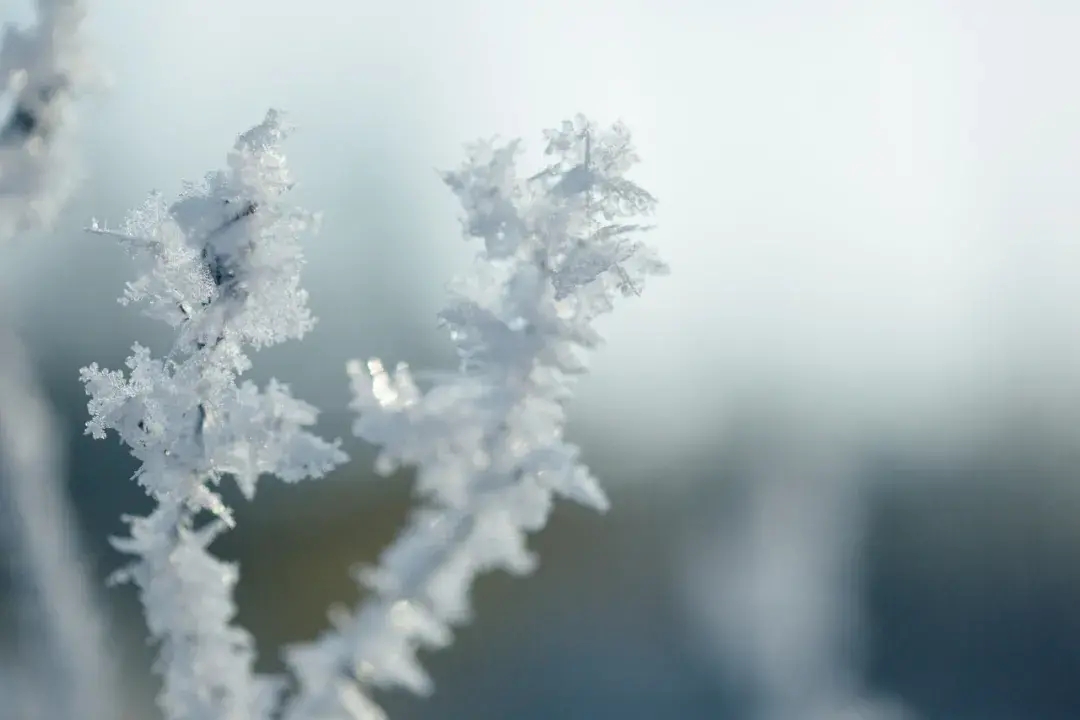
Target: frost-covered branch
[(42, 68), (224, 268), (487, 442)]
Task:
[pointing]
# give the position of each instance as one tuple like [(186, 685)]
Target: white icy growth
[(488, 441)]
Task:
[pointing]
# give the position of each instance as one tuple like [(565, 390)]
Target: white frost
[(487, 442)]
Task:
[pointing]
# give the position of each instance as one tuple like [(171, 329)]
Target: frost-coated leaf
[(490, 193)]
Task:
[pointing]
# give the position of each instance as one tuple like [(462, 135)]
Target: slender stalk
[(42, 68), (38, 523)]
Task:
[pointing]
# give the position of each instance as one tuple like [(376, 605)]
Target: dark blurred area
[(842, 440), (962, 576)]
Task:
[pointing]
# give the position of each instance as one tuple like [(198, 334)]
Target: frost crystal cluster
[(487, 441), (223, 266)]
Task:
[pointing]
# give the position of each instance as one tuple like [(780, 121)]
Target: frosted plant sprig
[(223, 269), (42, 69), (488, 442)]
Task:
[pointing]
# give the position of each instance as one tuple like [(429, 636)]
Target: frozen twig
[(224, 269), (487, 442)]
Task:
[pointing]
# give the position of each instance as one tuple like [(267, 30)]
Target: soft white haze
[(869, 206)]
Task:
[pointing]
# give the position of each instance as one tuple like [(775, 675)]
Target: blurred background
[(841, 439)]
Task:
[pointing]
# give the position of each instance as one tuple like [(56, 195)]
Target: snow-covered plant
[(223, 270), (487, 441)]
